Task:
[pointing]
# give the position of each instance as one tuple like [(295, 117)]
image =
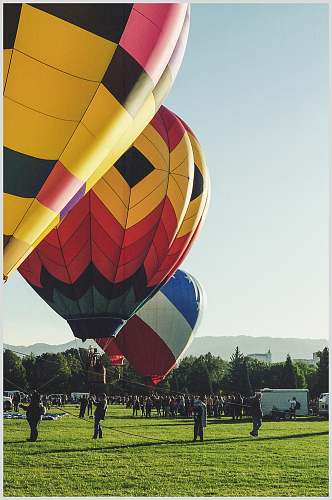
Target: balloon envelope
[(80, 84), (158, 335), (102, 262)]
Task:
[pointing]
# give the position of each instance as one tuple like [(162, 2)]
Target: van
[(323, 405), (276, 402)]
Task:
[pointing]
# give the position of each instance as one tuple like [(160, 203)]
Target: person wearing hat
[(34, 411), (200, 418), (256, 413), (100, 411)]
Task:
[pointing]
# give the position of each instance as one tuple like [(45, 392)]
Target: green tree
[(13, 372), (237, 377), (289, 380), (51, 373), (323, 372)]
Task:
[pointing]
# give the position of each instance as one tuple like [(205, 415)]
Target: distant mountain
[(218, 346), (38, 349), (280, 347)]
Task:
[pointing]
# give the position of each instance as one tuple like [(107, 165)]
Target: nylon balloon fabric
[(115, 356), (95, 268), (158, 335), (81, 82)]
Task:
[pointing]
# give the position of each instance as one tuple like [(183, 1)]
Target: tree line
[(207, 374)]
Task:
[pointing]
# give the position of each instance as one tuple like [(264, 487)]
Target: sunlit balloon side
[(159, 334), (81, 82), (102, 261)]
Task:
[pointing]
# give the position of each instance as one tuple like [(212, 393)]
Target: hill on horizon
[(222, 346)]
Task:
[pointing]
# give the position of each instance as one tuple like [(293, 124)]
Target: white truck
[(323, 405), (276, 402)]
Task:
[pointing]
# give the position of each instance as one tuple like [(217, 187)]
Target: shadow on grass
[(206, 442)]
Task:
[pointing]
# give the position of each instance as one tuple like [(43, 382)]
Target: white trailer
[(276, 402), (323, 405), (76, 396)]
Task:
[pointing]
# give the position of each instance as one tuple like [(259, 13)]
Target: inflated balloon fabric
[(81, 82), (103, 260), (158, 335)]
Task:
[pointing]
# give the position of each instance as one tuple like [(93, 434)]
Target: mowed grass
[(155, 457)]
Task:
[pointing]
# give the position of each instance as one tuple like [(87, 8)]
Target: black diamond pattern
[(133, 166)]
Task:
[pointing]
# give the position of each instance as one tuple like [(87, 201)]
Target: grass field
[(287, 459)]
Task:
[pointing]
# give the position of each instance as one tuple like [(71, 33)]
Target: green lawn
[(287, 459)]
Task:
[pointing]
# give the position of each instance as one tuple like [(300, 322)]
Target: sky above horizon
[(253, 87)]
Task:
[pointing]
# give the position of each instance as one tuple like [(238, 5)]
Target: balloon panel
[(79, 87), (157, 336), (97, 263)]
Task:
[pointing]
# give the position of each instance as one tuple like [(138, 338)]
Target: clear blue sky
[(254, 88)]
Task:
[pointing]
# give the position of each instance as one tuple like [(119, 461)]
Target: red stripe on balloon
[(50, 196), (146, 352)]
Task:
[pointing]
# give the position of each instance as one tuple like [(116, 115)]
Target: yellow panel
[(143, 117), (145, 187), (14, 208), (7, 54), (155, 138), (13, 255), (179, 192), (137, 213), (63, 45), (34, 134), (35, 221), (83, 153), (106, 118), (111, 201), (192, 217), (149, 150), (48, 90), (182, 158), (118, 184), (49, 228), (187, 226)]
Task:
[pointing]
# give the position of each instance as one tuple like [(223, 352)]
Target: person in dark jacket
[(100, 411), (200, 418), (34, 411), (90, 406), (238, 402), (256, 413), (16, 401), (83, 405)]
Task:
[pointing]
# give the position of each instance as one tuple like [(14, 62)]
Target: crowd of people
[(232, 405), (200, 408)]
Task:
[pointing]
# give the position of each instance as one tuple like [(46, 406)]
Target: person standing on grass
[(294, 405), (100, 411), (90, 400), (83, 405), (34, 411), (256, 413), (16, 401), (200, 419)]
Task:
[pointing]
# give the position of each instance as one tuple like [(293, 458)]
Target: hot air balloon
[(94, 268), (80, 84), (115, 356), (157, 336)]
